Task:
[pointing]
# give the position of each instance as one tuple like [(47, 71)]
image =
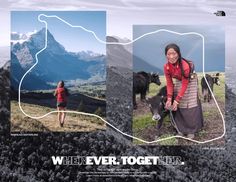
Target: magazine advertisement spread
[(117, 91)]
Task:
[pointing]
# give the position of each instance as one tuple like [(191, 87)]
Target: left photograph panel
[(58, 71)]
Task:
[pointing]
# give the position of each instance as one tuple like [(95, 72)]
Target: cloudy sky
[(123, 14)]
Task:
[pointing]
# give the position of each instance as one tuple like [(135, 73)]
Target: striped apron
[(189, 116)]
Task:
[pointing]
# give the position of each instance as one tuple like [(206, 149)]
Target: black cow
[(157, 106), (152, 77), (141, 81), (211, 81)]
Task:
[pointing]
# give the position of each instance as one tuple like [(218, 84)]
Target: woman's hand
[(55, 93), (175, 105), (168, 104)]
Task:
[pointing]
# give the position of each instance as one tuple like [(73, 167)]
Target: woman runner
[(61, 93)]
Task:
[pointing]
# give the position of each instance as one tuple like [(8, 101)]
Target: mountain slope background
[(54, 63)]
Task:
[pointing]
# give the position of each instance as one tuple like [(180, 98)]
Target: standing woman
[(182, 93), (61, 93)]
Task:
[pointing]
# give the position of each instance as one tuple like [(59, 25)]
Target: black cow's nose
[(156, 117)]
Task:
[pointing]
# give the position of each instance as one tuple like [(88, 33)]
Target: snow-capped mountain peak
[(55, 63), (88, 55), (17, 37)]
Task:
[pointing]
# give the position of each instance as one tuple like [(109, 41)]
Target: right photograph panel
[(178, 84)]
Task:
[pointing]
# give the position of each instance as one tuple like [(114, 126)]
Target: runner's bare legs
[(63, 116), (60, 116)]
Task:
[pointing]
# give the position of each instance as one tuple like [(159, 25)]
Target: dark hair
[(62, 83), (177, 49)]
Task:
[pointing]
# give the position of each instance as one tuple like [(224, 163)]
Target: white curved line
[(119, 43)]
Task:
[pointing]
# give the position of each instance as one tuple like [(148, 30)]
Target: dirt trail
[(73, 122)]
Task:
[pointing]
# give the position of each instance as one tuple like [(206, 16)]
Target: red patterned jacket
[(174, 71)]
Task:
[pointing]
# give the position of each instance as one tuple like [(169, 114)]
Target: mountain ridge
[(59, 63)]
